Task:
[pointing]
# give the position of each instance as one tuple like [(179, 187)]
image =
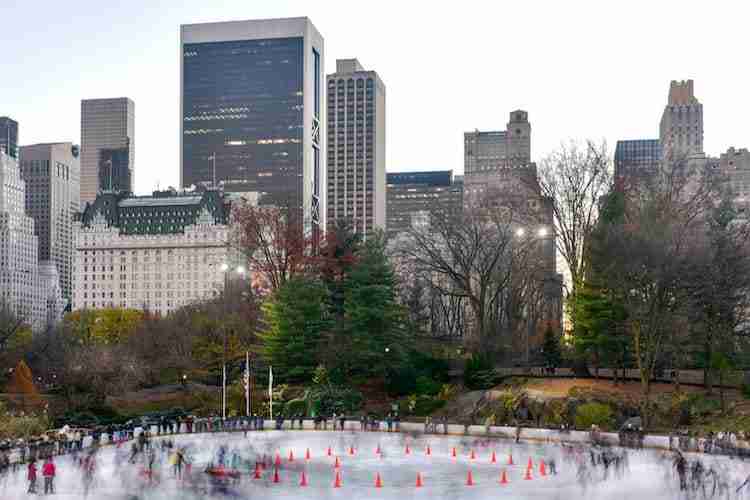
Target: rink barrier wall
[(503, 432)]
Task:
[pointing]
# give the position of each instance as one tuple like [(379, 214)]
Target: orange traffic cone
[(257, 471), (303, 481), (510, 459), (276, 475), (530, 465), (494, 458), (504, 478), (469, 479), (291, 456), (329, 451), (337, 464), (473, 456), (419, 480), (429, 451), (278, 460), (408, 451), (307, 454), (453, 453), (542, 469), (337, 482), (528, 477), (351, 450), (378, 481)]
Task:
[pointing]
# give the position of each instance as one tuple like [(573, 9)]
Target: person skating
[(31, 476), (48, 471)]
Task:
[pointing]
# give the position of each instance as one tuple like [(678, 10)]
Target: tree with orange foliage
[(22, 381)]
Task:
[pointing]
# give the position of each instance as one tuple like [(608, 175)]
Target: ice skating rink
[(580, 474)]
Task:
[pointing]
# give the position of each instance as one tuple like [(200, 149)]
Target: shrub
[(423, 405), (329, 398), (295, 407), (479, 372), (427, 386), (447, 392), (589, 414)]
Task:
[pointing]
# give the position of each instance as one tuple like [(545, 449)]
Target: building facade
[(499, 159), (30, 288), (637, 157), (681, 127), (107, 133), (155, 253), (9, 136), (411, 196), (356, 147), (252, 111), (52, 176)]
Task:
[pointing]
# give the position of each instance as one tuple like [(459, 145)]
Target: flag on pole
[(270, 391)]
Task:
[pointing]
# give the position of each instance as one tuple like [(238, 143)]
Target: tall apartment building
[(681, 127), (499, 159), (252, 111), (413, 195), (107, 144), (156, 253), (9, 136), (356, 147), (52, 176), (734, 165), (29, 287)]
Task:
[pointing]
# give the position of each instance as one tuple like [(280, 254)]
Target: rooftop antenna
[(213, 157)]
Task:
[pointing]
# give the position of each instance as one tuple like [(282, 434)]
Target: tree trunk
[(721, 392), (707, 374)]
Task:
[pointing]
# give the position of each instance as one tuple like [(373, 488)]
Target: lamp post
[(227, 270), (541, 233)]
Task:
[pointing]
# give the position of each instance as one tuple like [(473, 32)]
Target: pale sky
[(582, 69)]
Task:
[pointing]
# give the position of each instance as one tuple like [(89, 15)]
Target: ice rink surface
[(646, 475)]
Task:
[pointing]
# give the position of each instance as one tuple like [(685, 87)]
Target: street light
[(227, 270)]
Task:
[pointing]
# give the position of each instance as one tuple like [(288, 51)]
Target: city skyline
[(567, 95)]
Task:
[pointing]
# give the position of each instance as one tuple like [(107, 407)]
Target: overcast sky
[(582, 69)]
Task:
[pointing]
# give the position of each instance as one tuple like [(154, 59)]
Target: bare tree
[(11, 323), (574, 178), (644, 253), (477, 256)]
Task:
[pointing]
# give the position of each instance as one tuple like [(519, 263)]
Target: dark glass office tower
[(252, 111), (9, 136), (114, 170)]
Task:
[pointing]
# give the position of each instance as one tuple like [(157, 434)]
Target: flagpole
[(247, 383), (270, 392)]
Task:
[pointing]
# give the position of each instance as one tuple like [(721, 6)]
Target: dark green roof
[(165, 212)]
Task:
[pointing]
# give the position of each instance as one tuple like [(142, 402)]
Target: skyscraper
[(637, 158), (413, 195), (52, 176), (252, 111), (356, 147), (107, 133), (499, 159), (30, 288), (9, 136), (681, 127)]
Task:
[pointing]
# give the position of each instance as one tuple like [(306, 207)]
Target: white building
[(52, 176), (155, 253), (30, 288)]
